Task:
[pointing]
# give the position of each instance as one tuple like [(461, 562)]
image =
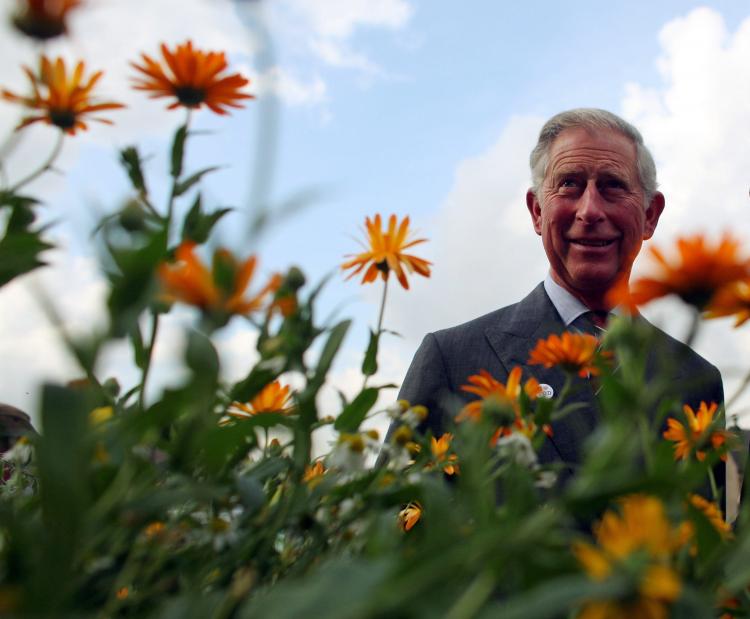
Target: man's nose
[(591, 205)]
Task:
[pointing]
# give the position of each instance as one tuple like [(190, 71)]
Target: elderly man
[(593, 201)]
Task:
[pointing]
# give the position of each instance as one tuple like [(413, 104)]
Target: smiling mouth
[(592, 243)]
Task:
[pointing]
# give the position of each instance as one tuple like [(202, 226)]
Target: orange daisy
[(60, 99), (313, 474), (409, 516), (193, 77), (439, 448), (731, 300), (43, 19), (688, 439), (273, 398), (713, 514), (695, 274), (488, 388), (221, 290), (386, 252), (573, 352)]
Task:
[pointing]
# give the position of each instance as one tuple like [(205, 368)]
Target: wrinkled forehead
[(592, 150)]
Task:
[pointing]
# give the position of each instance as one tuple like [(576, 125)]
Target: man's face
[(590, 213)]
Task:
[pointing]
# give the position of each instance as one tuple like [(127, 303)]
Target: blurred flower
[(697, 435), (313, 474), (273, 398), (348, 454), (642, 531), (516, 447), (101, 414), (572, 352), (409, 516), (713, 514), (406, 414), (384, 252), (43, 19), (731, 300), (695, 274), (193, 77), (440, 447), (122, 593), (492, 391), (62, 100), (220, 290), (154, 529)]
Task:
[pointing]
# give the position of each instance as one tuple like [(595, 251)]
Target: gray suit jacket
[(501, 340)]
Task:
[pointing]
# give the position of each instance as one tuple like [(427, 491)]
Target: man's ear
[(653, 212), (535, 210)]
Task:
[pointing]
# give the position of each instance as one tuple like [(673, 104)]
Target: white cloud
[(291, 89)]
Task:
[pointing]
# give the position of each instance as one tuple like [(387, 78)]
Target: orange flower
[(193, 78), (439, 448), (43, 19), (222, 290), (385, 252), (61, 99), (713, 514), (409, 516), (573, 352), (642, 528), (731, 300), (695, 274), (487, 387), (273, 398), (690, 438), (313, 474)]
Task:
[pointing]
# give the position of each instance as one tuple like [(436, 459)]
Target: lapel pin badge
[(547, 391)]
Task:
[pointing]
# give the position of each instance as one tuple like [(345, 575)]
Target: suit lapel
[(535, 318)]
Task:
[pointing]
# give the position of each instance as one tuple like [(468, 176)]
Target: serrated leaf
[(178, 151), (370, 363), (354, 414), (191, 180)]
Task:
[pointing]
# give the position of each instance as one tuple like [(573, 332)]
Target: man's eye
[(614, 183), (568, 182)]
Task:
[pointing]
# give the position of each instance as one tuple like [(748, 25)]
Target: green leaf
[(198, 225), (140, 354), (178, 151), (131, 160), (19, 254), (370, 363), (191, 180), (332, 345), (354, 414)]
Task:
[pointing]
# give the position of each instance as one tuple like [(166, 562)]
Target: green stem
[(474, 597), (47, 165), (176, 180), (694, 324), (381, 313), (712, 481), (149, 357), (645, 434)]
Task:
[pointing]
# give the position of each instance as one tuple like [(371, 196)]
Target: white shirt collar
[(568, 306)]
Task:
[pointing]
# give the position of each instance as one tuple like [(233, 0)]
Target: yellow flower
[(385, 252), (122, 593), (43, 19), (100, 415), (641, 527), (273, 398), (713, 514), (154, 529), (695, 435), (220, 290), (573, 352), (60, 99), (697, 272), (439, 448), (731, 300), (409, 516), (193, 77)]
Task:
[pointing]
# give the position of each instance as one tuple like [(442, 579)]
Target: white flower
[(517, 448)]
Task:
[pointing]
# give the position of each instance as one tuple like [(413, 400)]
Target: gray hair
[(591, 119)]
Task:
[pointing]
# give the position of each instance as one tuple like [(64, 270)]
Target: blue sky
[(426, 108)]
